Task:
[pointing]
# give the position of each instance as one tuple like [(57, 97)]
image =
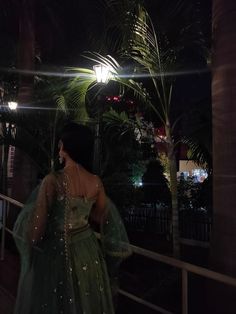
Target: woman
[(63, 269)]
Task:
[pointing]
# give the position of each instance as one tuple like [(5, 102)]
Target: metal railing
[(183, 266), (194, 224)]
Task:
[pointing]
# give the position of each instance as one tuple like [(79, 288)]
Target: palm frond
[(156, 49), (61, 103), (198, 152), (108, 61), (117, 124), (79, 86)]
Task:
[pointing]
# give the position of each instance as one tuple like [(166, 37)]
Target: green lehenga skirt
[(55, 287)]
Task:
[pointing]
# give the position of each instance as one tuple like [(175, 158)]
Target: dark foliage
[(155, 184), (193, 195)]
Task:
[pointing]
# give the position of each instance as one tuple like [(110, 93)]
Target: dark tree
[(155, 185)]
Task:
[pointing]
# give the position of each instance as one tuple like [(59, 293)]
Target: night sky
[(64, 29)]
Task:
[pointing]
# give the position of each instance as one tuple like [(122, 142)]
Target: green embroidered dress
[(65, 271)]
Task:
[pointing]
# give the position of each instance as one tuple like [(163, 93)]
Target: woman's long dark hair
[(78, 142)]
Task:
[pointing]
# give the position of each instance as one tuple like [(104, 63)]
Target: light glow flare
[(12, 105), (102, 73)]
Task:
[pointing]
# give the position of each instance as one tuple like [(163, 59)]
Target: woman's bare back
[(82, 183)]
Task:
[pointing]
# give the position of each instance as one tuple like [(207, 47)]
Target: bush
[(155, 185), (193, 195), (120, 189)]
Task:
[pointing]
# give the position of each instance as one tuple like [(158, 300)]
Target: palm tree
[(157, 55), (154, 57), (144, 48)]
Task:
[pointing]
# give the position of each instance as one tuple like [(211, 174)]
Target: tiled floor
[(6, 302), (9, 273)]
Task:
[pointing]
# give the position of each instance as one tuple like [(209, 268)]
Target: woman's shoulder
[(93, 178), (51, 177)]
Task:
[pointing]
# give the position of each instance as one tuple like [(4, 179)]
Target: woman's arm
[(98, 212)]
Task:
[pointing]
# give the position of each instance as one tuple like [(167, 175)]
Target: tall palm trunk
[(24, 173), (173, 189), (26, 51), (223, 252)]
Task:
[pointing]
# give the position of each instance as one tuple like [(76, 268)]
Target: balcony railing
[(194, 225), (183, 266)]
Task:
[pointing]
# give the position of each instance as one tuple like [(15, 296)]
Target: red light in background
[(160, 131), (116, 98), (113, 98), (129, 102)]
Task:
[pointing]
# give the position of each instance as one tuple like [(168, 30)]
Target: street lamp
[(102, 73), (12, 105)]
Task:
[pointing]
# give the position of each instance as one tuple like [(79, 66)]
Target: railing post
[(184, 291), (4, 214)]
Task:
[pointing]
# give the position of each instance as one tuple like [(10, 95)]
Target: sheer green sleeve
[(20, 234), (114, 238), (31, 222), (28, 230), (20, 231)]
